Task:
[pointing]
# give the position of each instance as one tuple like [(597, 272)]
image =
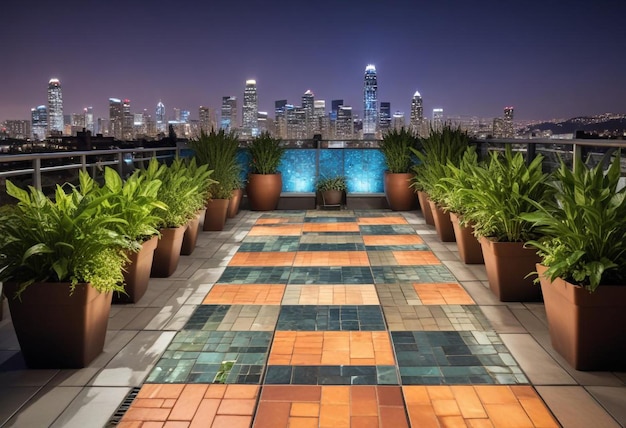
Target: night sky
[(548, 59)]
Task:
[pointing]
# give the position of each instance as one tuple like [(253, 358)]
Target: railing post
[(530, 152), (577, 153), (83, 162), (120, 163), (37, 173)]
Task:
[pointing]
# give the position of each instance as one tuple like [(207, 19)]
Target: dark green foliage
[(331, 183), (396, 146), (266, 153)]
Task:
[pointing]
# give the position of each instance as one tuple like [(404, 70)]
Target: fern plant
[(583, 226), (396, 147), (265, 153), (337, 182)]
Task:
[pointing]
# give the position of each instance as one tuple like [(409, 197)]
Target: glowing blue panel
[(364, 169), (331, 162), (299, 170)]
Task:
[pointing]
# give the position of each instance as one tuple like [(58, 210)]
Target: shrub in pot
[(265, 182), (583, 265), (60, 261), (200, 175), (332, 189), (396, 147), (501, 193)]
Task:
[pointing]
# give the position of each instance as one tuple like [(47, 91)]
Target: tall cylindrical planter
[(190, 236), (137, 272), (470, 250), (56, 330), (425, 206), (508, 265), (215, 215), (400, 196), (263, 191), (443, 225), (167, 253), (235, 201)]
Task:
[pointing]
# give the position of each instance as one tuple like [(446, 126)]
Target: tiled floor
[(318, 319)]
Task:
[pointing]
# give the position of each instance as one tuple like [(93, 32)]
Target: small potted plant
[(332, 189), (265, 181), (60, 261), (583, 265), (396, 147), (200, 175)]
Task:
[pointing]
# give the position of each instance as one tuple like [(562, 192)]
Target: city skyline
[(546, 60)]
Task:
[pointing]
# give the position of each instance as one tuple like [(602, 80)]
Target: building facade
[(250, 125), (417, 114), (370, 103), (160, 119), (55, 107), (116, 118), (384, 117), (39, 122), (228, 120)]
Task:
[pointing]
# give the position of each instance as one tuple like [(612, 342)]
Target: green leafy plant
[(451, 190), (71, 239), (583, 226), (502, 192), (265, 153), (337, 182), (200, 175), (218, 151), (396, 146)]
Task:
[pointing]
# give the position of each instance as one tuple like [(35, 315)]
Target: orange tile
[(265, 258), (393, 417), (146, 414), (363, 401), (537, 412), (215, 391), (296, 422), (382, 220), (452, 422), (338, 295), (176, 424), (330, 227), (508, 415), (277, 220), (239, 406), (336, 395), (334, 415), (157, 390), (291, 393), (495, 394), (282, 230), (228, 421), (422, 415), (442, 294), (392, 240), (272, 414), (415, 394), (206, 413), (331, 258), (411, 258), (468, 402), (446, 407), (148, 402), (305, 410), (133, 424), (479, 423), (242, 391), (188, 402), (249, 294), (364, 421), (151, 425)]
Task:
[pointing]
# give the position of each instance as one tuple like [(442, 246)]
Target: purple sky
[(548, 59)]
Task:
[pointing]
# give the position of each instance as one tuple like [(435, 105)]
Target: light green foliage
[(501, 192), (396, 146), (584, 226), (218, 151), (337, 182), (451, 190), (266, 153), (69, 239)]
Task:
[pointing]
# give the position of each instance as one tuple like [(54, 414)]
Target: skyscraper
[(250, 127), (398, 121), (508, 129), (370, 102), (320, 119), (39, 122), (55, 107), (228, 120), (206, 119), (280, 118), (344, 126), (437, 118), (417, 113), (161, 122), (89, 124), (308, 104), (384, 119), (116, 118), (127, 121)]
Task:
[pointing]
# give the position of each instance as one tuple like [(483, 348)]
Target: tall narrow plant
[(266, 152), (396, 146)]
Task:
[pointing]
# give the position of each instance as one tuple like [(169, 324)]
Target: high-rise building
[(437, 118), (77, 123), (206, 119), (344, 126), (55, 107), (88, 115), (39, 122), (296, 122), (308, 104), (370, 103), (384, 118), (417, 113), (320, 119), (184, 116), (250, 126), (20, 129), (116, 118), (398, 121), (228, 120), (263, 123), (508, 130), (161, 121), (127, 121), (334, 109), (280, 118)]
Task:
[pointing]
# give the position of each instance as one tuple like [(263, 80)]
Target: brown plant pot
[(332, 197), (443, 224), (216, 213), (56, 330), (190, 237), (235, 201), (167, 253), (425, 206), (263, 191), (587, 329), (137, 273), (400, 197), (508, 265), (469, 247)]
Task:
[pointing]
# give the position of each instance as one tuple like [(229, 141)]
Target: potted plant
[(441, 148), (331, 189), (60, 261), (583, 265), (396, 147), (265, 181), (218, 150), (501, 193)]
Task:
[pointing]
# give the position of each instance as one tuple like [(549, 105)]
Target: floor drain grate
[(121, 410)]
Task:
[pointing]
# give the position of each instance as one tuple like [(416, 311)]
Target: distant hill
[(606, 125)]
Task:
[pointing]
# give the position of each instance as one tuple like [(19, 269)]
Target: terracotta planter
[(235, 201), (137, 273), (332, 197), (469, 247), (263, 191), (507, 265), (425, 206), (216, 214), (443, 225), (587, 329), (190, 237), (167, 253), (56, 330), (400, 197)]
